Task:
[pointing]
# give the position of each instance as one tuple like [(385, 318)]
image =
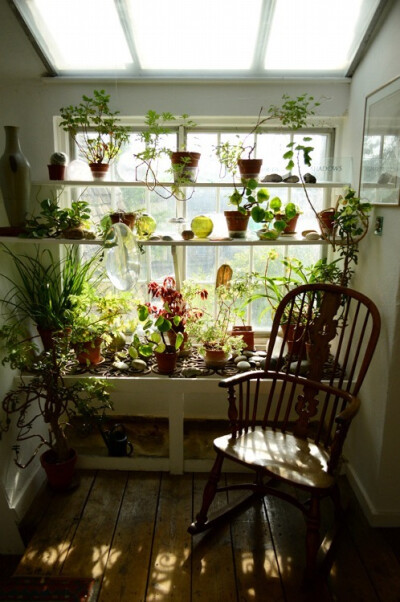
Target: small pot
[(294, 335), (216, 358), (49, 336), (166, 361), (99, 170), (189, 160), (291, 224), (56, 172), (250, 168), (247, 334), (128, 219), (60, 475), (89, 351), (184, 349), (326, 219), (237, 223)]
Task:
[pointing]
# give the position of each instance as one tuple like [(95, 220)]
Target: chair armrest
[(240, 378), (349, 412)]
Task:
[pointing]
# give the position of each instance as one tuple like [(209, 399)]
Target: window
[(228, 38), (200, 263)]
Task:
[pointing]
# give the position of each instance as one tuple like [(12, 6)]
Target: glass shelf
[(112, 184)]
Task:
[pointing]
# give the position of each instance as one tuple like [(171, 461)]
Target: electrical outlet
[(378, 226)]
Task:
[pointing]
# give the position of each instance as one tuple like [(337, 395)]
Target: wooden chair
[(289, 421)]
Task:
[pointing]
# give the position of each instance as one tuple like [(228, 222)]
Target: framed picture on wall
[(380, 161)]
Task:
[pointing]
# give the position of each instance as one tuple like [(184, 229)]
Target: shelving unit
[(188, 398)]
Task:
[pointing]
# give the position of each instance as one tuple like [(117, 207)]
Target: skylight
[(184, 38)]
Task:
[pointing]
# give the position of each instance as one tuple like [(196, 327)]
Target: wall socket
[(378, 226)]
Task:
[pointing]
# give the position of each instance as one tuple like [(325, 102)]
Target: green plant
[(53, 220), (45, 286), (94, 115), (98, 315), (158, 125), (154, 330), (58, 158), (45, 395)]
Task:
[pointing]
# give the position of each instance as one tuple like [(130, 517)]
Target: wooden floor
[(129, 531)]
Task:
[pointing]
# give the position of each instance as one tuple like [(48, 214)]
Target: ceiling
[(145, 39)]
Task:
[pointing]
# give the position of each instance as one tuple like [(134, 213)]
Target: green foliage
[(154, 328), (45, 397), (45, 286), (94, 114), (53, 220)]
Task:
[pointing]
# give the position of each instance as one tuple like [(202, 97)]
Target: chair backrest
[(322, 341)]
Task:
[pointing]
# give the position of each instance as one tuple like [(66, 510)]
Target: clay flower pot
[(237, 223), (249, 168), (99, 170), (56, 172), (215, 358), (128, 219), (247, 334), (166, 361), (89, 351), (189, 160), (59, 474)]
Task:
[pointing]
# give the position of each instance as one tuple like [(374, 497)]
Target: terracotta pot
[(247, 334), (184, 349), (237, 223), (121, 217), (59, 474), (89, 352), (250, 168), (326, 221), (294, 336), (166, 361), (216, 358), (56, 172), (291, 224), (99, 170), (189, 160), (49, 336)]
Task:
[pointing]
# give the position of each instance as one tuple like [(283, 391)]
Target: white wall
[(374, 445)]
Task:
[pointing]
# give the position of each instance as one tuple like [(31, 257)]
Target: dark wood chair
[(289, 422)]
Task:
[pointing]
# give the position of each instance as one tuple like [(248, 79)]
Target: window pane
[(194, 36)]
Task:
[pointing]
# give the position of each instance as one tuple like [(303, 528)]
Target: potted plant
[(45, 397), (184, 163), (212, 333), (54, 222), (97, 320), (155, 328), (176, 303), (57, 166), (96, 130), (45, 287)]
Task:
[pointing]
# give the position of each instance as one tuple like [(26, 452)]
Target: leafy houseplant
[(53, 221), (96, 130), (46, 397), (155, 328), (44, 288), (183, 163)]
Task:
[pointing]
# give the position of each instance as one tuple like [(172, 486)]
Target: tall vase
[(15, 181)]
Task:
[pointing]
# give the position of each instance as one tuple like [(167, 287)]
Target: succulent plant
[(58, 159)]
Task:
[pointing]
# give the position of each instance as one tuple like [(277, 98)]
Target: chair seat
[(282, 455)]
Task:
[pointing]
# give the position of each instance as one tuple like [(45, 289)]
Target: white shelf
[(113, 184), (196, 242)]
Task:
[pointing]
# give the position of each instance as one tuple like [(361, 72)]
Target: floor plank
[(169, 573), (213, 573), (49, 545), (125, 576), (256, 566), (88, 554)]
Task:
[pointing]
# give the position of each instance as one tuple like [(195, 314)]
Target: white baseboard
[(375, 517)]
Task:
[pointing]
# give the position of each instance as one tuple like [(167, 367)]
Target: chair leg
[(208, 495), (312, 537)]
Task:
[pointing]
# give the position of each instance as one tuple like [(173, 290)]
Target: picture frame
[(380, 158)]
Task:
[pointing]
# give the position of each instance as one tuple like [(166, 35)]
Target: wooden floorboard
[(129, 530)]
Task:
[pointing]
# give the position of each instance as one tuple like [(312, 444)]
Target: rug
[(48, 589)]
